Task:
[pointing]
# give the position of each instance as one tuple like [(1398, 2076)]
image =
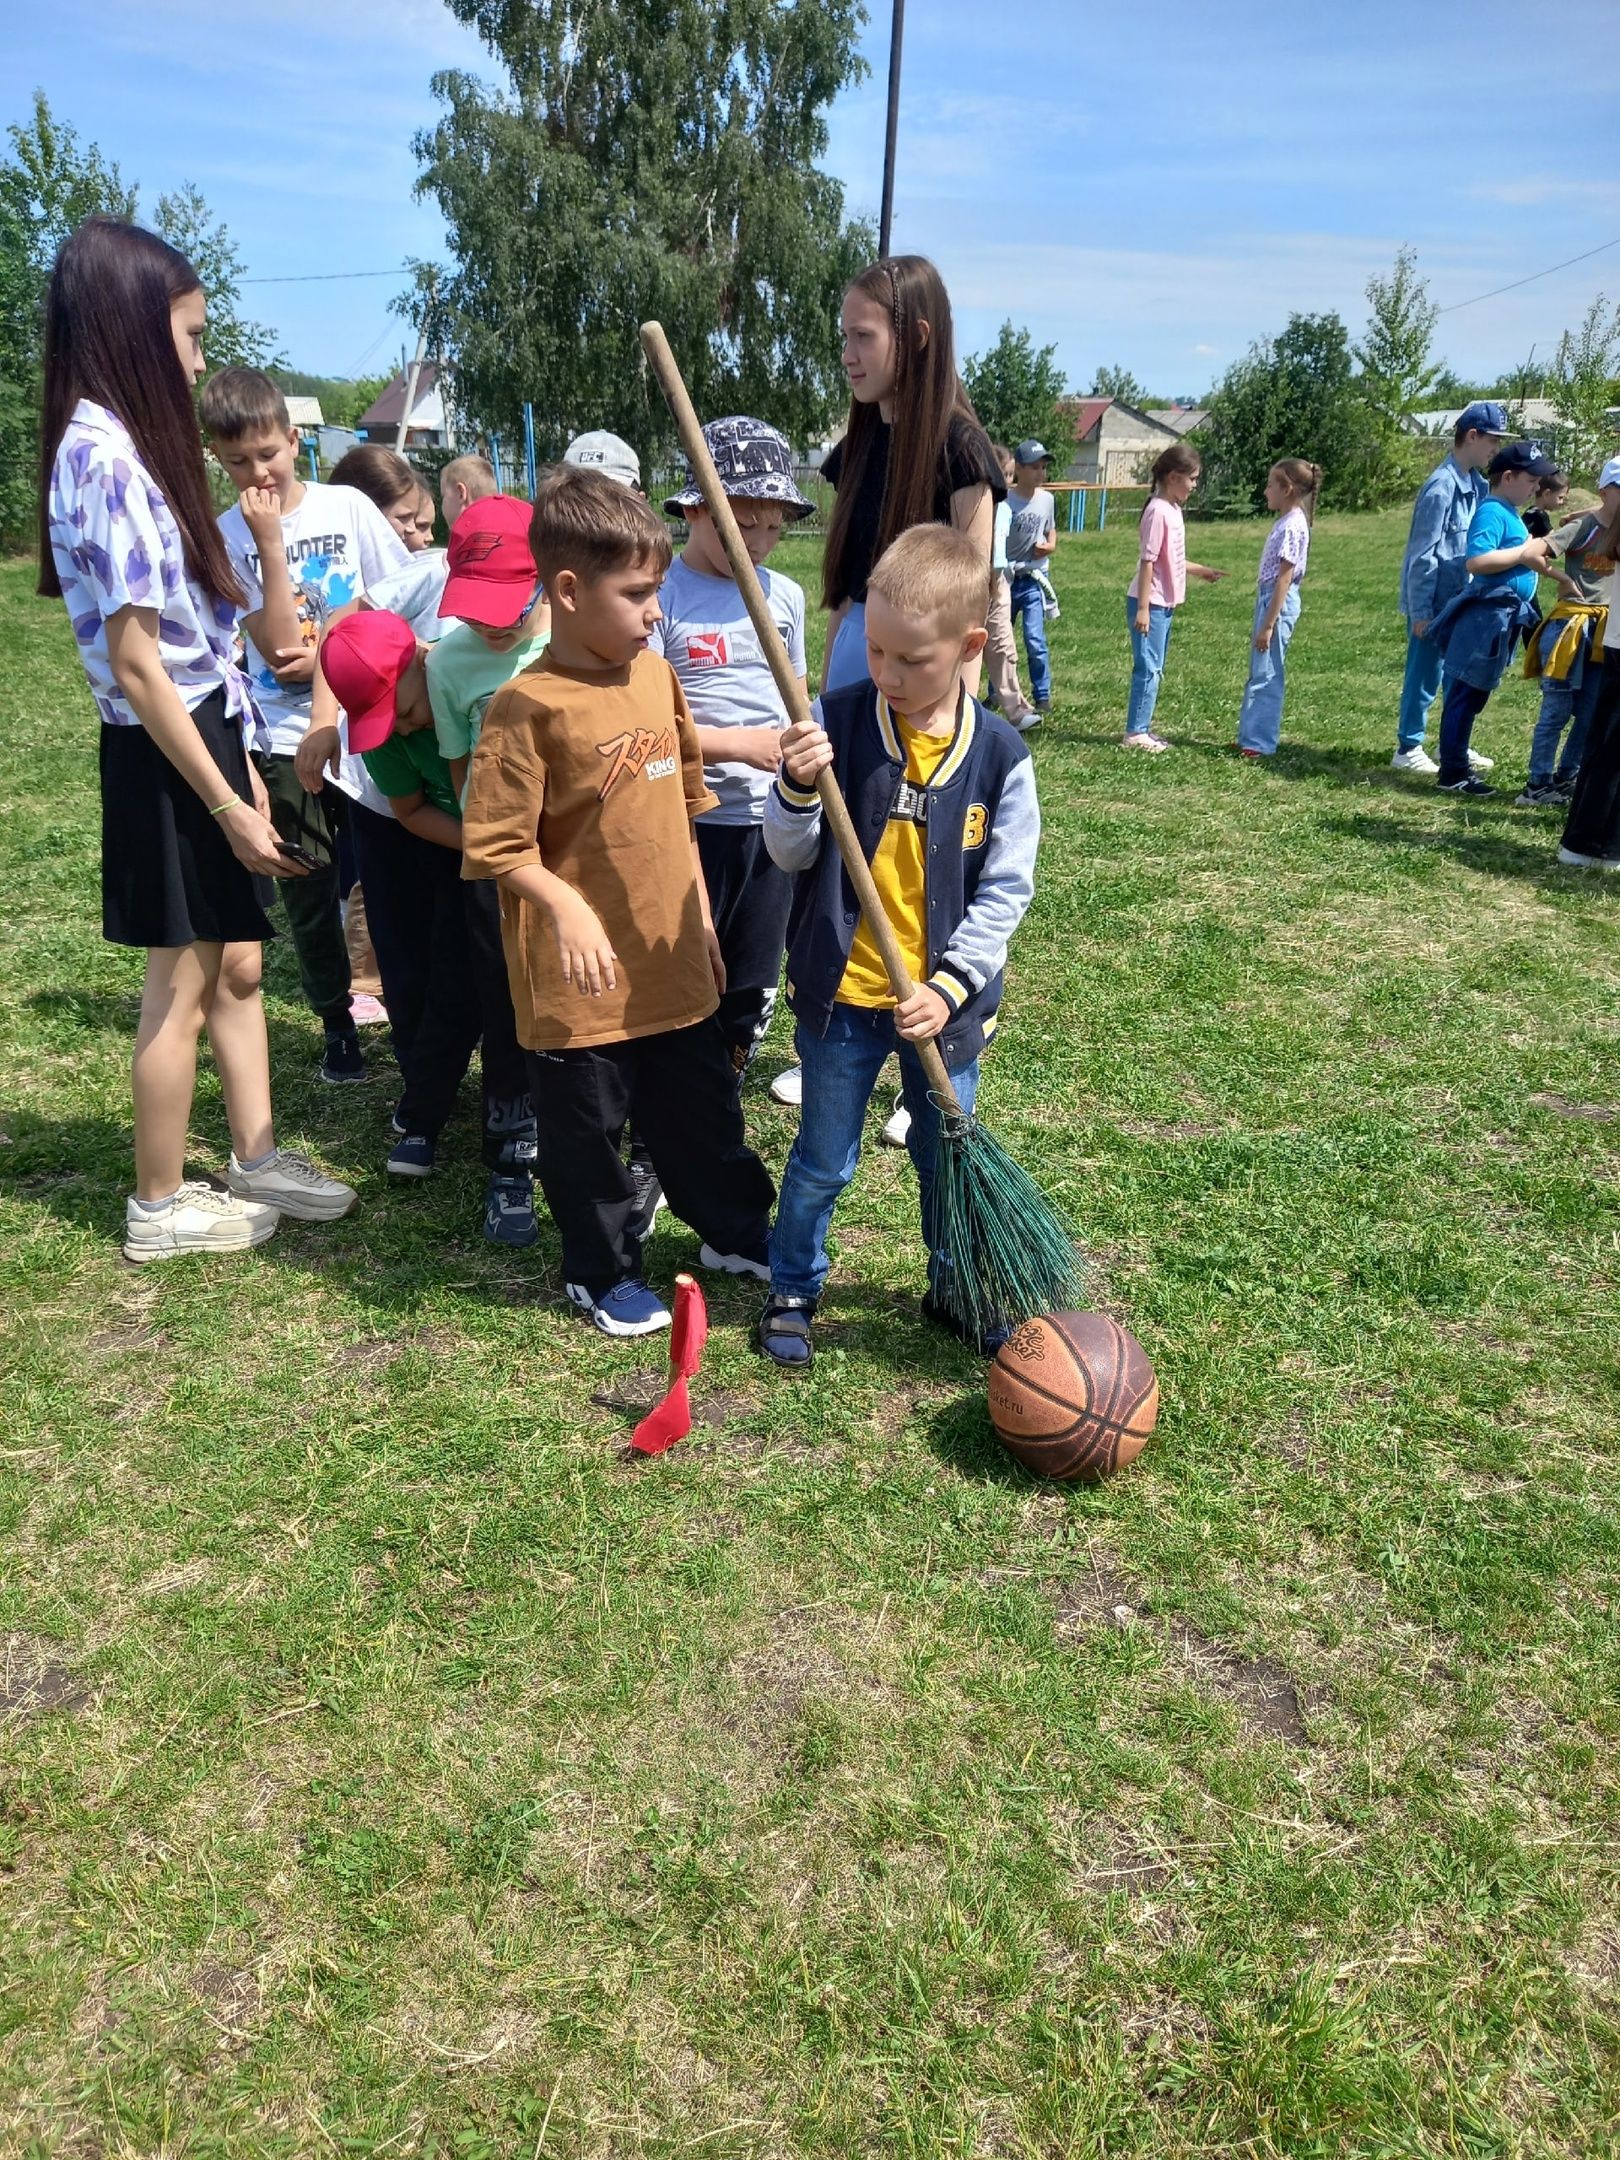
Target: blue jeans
[(1260, 715), (1563, 707), (840, 1071), (1419, 689), (846, 663), (1147, 664), (1029, 609)]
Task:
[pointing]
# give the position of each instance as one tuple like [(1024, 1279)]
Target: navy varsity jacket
[(982, 825)]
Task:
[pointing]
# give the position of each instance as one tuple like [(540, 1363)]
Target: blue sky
[(1151, 187)]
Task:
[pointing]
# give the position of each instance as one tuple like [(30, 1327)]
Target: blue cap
[(1522, 457), (1486, 416)]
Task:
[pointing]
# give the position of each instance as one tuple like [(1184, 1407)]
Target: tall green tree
[(1581, 384), (656, 158), (1397, 377), (49, 182), (1294, 395), (1120, 383), (1017, 391)]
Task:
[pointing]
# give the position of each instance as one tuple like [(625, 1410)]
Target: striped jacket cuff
[(797, 799), (951, 988)]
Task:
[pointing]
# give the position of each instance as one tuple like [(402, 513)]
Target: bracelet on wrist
[(229, 803)]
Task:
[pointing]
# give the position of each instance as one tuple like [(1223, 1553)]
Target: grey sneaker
[(292, 1184), (198, 1219)]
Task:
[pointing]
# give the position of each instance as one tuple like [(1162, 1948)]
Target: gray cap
[(755, 464), (604, 453), (1032, 451)]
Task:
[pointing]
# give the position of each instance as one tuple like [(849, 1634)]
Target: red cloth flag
[(672, 1420)]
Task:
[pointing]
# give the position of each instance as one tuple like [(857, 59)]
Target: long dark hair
[(378, 472), (928, 396), (108, 338)]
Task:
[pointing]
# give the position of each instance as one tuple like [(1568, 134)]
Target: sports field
[(389, 1766)]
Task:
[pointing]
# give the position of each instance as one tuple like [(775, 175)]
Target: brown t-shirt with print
[(597, 778)]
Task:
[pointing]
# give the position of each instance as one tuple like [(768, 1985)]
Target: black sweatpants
[(438, 944), (1593, 826), (749, 898), (680, 1091), (314, 908)]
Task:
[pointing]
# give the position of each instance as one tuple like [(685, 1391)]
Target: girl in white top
[(128, 540), (1292, 486)]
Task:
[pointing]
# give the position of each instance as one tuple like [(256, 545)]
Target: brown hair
[(1305, 479), (928, 396), (934, 573), (587, 523), (109, 338), (380, 474), (240, 400), (1180, 457)]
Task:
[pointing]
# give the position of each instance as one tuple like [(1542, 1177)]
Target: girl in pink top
[(1158, 588)]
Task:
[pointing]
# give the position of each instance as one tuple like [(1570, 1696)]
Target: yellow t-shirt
[(897, 871)]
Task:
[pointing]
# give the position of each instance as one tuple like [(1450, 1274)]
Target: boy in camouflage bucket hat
[(708, 639)]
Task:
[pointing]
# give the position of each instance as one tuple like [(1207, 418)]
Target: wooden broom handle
[(833, 808)]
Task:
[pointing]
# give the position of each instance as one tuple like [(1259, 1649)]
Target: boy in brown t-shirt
[(580, 801)]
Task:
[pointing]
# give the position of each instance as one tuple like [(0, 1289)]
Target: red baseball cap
[(492, 574), (363, 658)]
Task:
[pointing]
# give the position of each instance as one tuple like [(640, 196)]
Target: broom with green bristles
[(1012, 1256)]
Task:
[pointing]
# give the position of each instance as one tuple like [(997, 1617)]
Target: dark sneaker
[(412, 1156), (509, 1133), (1539, 795), (344, 1059), (784, 1331), (629, 1308), (509, 1211), (755, 1262), (1470, 786), (986, 1344), (649, 1197)]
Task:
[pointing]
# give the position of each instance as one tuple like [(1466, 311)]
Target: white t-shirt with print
[(337, 543)]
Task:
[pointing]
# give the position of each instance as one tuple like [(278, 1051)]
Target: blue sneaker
[(509, 1211), (629, 1308), (412, 1156)]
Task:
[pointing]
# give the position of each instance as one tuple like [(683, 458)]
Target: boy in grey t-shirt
[(1031, 539), (708, 639)]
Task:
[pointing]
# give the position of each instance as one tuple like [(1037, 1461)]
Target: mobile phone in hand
[(294, 853)]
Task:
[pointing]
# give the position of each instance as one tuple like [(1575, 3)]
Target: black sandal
[(784, 1332)]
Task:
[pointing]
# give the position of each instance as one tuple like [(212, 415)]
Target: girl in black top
[(913, 452)]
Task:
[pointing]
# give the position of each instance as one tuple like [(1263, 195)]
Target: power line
[(1531, 279), (326, 277)]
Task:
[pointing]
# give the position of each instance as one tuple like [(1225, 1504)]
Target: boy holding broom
[(942, 796)]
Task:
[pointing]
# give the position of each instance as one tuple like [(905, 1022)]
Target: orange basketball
[(1073, 1396)]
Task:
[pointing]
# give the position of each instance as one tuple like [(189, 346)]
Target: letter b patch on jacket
[(974, 825)]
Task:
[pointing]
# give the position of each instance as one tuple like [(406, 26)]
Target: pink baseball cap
[(492, 574), (363, 658)]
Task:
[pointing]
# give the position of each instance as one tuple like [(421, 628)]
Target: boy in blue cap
[(1478, 631), (1433, 573)]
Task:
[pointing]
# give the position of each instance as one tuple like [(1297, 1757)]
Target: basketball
[(1073, 1396)]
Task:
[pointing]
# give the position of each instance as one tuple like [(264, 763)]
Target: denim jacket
[(1437, 547), (1479, 629)]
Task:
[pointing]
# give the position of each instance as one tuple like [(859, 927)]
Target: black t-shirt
[(968, 462), (1537, 524)]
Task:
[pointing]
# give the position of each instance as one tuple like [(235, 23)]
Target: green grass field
[(389, 1766)]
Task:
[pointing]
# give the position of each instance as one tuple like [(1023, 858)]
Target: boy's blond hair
[(587, 523), (475, 476), (937, 574)]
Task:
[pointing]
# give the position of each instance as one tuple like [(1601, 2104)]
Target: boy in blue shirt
[(1479, 630), (1432, 572)]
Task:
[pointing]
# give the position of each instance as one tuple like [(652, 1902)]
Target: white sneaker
[(1417, 759), (1153, 744), (788, 1087), (898, 1126), (197, 1219), (293, 1184), (1479, 762), (1573, 861)]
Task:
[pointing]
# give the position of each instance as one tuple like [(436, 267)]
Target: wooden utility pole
[(415, 374)]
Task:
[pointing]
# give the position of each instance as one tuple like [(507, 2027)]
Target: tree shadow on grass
[(1497, 850)]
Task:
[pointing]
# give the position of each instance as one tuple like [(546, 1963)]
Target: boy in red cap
[(501, 623), (443, 972)]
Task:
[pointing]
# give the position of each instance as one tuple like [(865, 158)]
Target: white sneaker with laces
[(292, 1184), (898, 1125), (788, 1087), (1417, 759), (1479, 762), (1153, 744), (198, 1219)]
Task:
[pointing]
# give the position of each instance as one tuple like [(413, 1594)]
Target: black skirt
[(168, 876)]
